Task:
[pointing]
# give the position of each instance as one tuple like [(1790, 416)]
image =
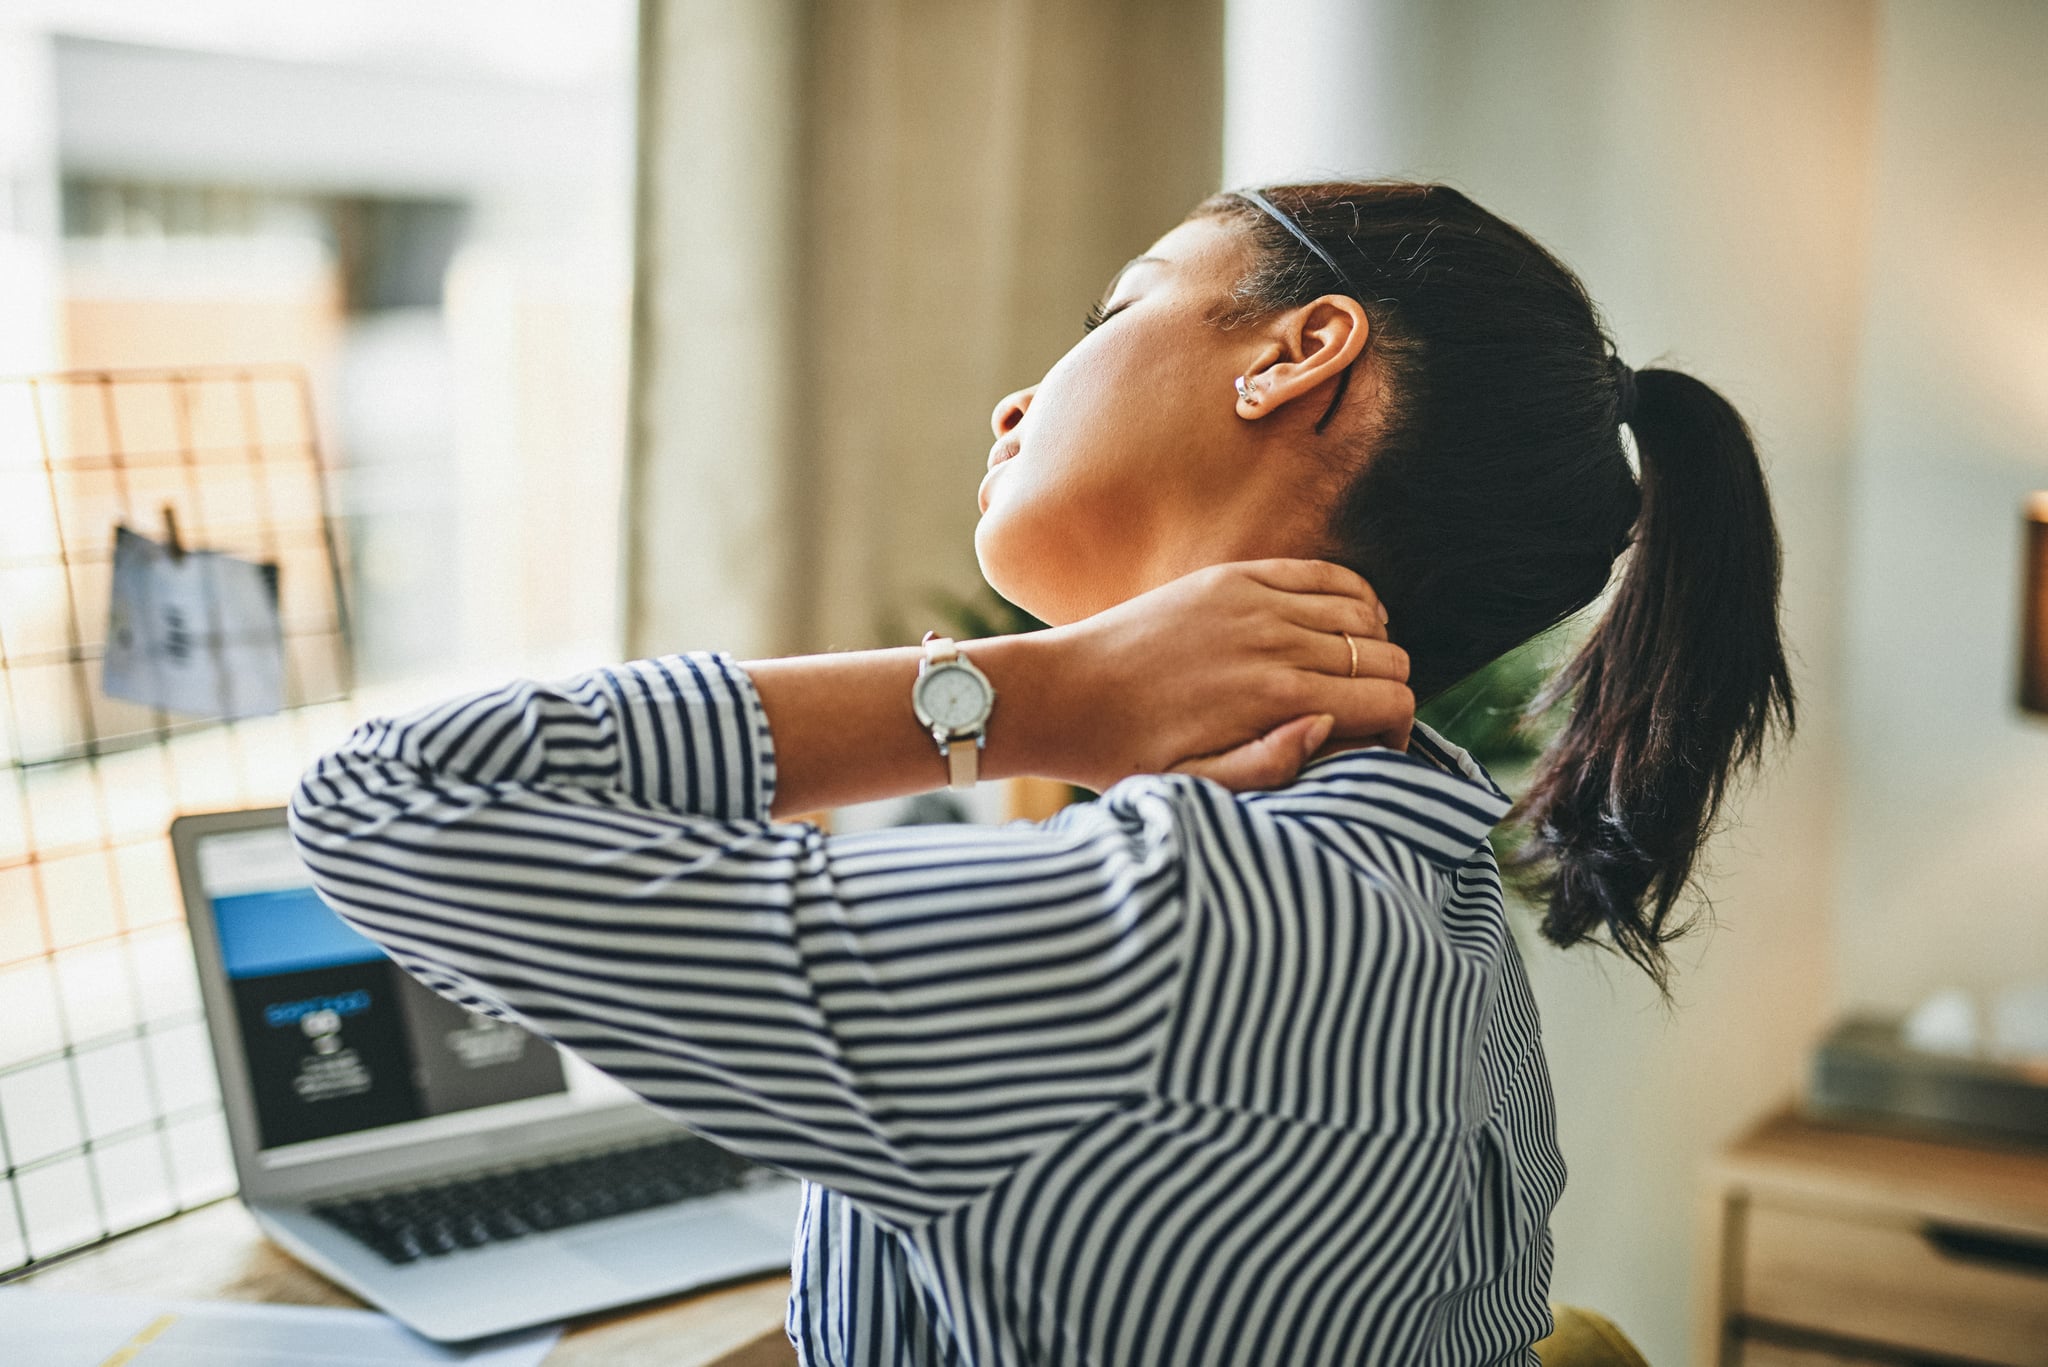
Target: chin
[(1017, 573), (998, 568)]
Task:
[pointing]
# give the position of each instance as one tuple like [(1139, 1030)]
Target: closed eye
[(1096, 317)]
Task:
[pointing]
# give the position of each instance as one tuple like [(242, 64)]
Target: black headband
[(1254, 197)]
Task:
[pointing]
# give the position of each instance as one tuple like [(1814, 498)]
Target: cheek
[(1080, 457), (1100, 434)]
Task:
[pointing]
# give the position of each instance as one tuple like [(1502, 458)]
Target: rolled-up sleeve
[(902, 1015)]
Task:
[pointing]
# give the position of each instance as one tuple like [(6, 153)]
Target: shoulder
[(1411, 816), (1434, 800)]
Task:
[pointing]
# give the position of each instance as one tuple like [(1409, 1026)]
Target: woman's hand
[(1236, 672)]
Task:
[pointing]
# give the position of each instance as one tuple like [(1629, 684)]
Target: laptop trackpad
[(708, 1243)]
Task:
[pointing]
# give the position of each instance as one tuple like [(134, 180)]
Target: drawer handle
[(1999, 1250)]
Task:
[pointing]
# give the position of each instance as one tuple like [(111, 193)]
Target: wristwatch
[(952, 700)]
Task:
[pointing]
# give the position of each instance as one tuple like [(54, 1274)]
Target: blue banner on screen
[(285, 930)]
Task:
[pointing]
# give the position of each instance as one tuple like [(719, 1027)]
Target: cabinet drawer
[(1954, 1292)]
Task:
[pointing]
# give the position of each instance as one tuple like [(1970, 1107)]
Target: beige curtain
[(861, 223)]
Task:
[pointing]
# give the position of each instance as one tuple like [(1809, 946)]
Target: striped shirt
[(1177, 1076)]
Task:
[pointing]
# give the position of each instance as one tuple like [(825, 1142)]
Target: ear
[(1304, 349)]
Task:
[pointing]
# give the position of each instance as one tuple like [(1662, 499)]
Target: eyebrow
[(1134, 261)]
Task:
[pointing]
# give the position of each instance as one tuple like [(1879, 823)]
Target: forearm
[(845, 731)]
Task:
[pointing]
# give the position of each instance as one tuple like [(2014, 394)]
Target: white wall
[(1706, 170), (1944, 864)]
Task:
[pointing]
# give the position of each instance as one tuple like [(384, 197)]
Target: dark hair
[(1488, 498)]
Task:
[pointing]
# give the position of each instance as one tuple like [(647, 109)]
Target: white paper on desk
[(61, 1329), (196, 633)]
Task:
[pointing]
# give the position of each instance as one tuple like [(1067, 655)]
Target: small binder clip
[(172, 542)]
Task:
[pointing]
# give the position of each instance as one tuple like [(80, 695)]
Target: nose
[(1010, 411)]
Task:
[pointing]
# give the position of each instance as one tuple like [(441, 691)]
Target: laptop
[(460, 1173)]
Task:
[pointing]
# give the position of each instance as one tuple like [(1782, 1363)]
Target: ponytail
[(1491, 499), (1674, 692)]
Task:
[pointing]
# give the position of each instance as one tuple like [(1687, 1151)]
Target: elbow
[(334, 795), (313, 812)]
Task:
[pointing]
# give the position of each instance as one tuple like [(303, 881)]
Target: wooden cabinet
[(1763, 1353), (1831, 1246)]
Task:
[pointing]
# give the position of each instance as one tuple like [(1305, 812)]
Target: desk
[(1838, 1248), (217, 1253)]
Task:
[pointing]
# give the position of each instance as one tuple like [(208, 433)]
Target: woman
[(1237, 1064)]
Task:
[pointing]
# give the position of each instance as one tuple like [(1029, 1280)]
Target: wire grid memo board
[(109, 1105)]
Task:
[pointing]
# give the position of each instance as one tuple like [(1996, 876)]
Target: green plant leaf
[(1484, 712)]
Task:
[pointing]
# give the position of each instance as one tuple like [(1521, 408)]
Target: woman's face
[(1133, 461)]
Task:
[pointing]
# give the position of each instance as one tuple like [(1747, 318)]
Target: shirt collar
[(1432, 743), (1434, 797)]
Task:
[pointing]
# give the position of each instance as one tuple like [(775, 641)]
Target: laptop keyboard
[(410, 1223)]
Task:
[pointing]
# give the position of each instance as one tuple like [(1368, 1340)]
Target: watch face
[(953, 697)]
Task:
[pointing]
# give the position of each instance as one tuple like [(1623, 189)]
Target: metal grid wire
[(109, 1105)]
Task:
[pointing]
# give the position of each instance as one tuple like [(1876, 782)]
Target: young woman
[(1237, 1064)]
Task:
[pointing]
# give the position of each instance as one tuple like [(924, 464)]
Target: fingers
[(1374, 659), (1313, 576), (1267, 761), (1375, 709), (1334, 612), (1327, 620)]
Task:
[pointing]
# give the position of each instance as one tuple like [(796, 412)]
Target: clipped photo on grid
[(196, 633)]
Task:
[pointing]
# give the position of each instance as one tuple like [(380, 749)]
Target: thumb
[(1266, 761)]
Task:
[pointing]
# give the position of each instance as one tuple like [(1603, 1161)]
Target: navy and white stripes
[(1178, 1076)]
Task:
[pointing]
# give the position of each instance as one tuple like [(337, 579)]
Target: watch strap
[(963, 751), (963, 762)]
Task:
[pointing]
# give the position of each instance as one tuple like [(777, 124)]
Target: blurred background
[(641, 328), (429, 207)]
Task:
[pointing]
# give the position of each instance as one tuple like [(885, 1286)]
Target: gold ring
[(1354, 653)]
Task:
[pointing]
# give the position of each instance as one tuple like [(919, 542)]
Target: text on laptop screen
[(337, 1038)]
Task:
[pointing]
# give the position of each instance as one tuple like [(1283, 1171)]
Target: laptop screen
[(338, 1041)]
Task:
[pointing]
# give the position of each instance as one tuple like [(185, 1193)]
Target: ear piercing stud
[(1244, 391)]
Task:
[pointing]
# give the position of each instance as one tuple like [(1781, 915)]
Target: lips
[(1004, 449)]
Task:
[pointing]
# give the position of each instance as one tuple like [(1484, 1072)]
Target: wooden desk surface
[(217, 1253)]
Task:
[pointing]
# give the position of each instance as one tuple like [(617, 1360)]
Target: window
[(395, 235)]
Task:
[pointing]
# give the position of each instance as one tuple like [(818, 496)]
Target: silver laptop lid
[(337, 1070)]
